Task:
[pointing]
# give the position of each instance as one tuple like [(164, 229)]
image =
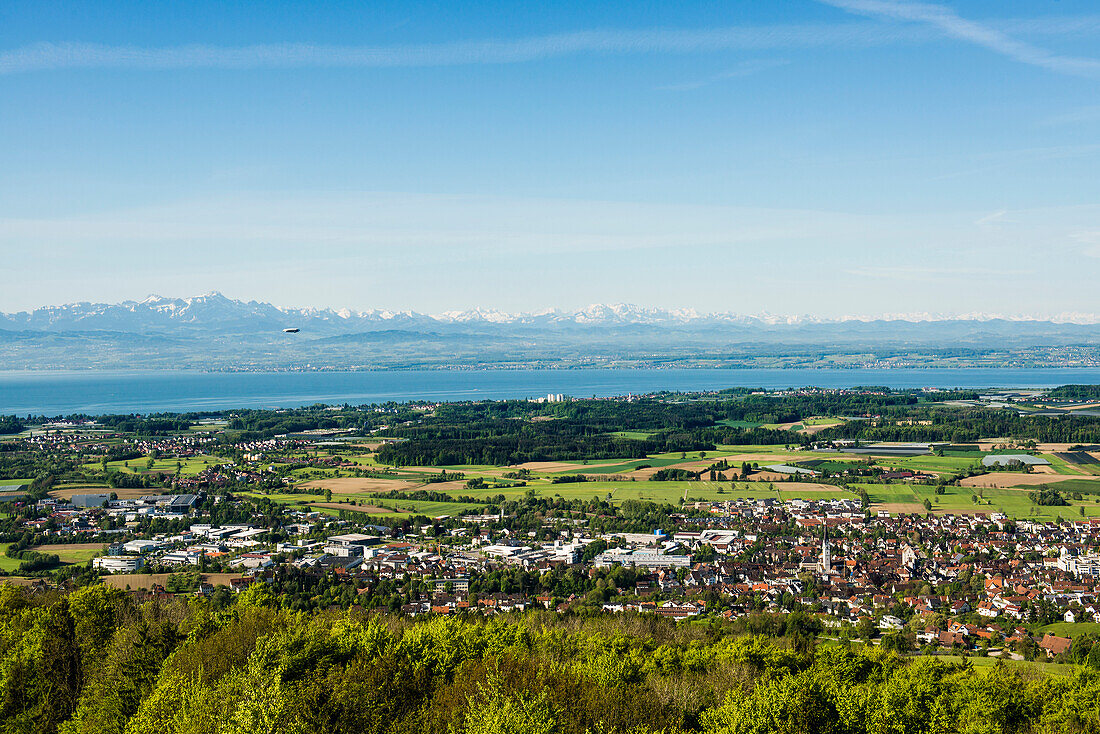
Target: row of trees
[(96, 661), (966, 425), (10, 424)]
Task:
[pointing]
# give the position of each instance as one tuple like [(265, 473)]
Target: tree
[(495, 710), (703, 554), (61, 668)]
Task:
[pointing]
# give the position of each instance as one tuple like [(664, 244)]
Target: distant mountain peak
[(214, 312)]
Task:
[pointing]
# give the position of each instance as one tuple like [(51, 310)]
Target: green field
[(826, 465), (735, 450), (673, 492), (78, 553), (311, 502), (621, 468), (188, 467), (568, 490), (1084, 486), (363, 460), (929, 463), (821, 421), (1070, 629), (1062, 466), (8, 565), (1015, 503), (429, 508), (738, 424), (895, 497), (400, 508), (663, 492), (985, 664)]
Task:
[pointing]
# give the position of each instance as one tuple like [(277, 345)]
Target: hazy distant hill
[(216, 332)]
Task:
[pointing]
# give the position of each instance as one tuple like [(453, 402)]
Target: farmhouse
[(1055, 645)]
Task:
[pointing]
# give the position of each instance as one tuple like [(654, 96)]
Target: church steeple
[(826, 557)]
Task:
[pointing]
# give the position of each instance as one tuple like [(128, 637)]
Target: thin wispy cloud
[(56, 56), (1003, 159), (357, 222), (1073, 117), (49, 56), (994, 218), (749, 67), (1090, 239), (923, 274), (979, 34)]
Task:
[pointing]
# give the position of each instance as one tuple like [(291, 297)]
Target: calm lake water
[(62, 393)]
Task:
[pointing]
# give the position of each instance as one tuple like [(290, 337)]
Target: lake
[(63, 393)]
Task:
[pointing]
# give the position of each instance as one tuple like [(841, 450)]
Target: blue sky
[(848, 157)]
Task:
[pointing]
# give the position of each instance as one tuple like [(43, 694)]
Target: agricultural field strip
[(1013, 502), (420, 507), (1061, 466), (188, 466), (8, 565)]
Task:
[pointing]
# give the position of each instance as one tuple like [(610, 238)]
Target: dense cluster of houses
[(953, 580)]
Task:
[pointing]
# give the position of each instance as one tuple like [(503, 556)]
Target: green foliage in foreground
[(96, 661)]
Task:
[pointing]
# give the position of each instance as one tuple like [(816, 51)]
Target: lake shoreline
[(145, 391)]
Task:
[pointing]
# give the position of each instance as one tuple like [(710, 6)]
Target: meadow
[(367, 503), (1015, 503), (929, 464), (1070, 629), (822, 421), (1061, 466), (1084, 486), (189, 466), (8, 565), (79, 553), (738, 423), (894, 497), (624, 468), (632, 435), (983, 665)]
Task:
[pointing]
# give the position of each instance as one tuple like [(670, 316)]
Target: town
[(974, 546)]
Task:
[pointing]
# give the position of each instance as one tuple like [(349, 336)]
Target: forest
[(1075, 392), (10, 424), (101, 661), (513, 432), (516, 431)]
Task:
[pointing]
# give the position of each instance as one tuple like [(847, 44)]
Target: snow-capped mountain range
[(215, 332), (217, 313)]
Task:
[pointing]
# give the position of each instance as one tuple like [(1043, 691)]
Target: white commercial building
[(117, 564), (643, 557)]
